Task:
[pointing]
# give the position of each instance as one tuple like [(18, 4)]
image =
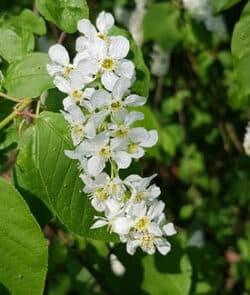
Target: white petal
[(62, 84), (99, 223), (104, 22), (131, 246), (118, 47), (151, 140), (108, 80), (85, 27), (68, 102), (90, 131), (99, 117), (59, 54), (139, 153), (96, 165), (163, 246), (88, 92), (120, 87), (101, 98), (97, 205), (133, 117), (135, 100), (169, 229), (122, 225), (80, 56), (54, 69), (78, 79), (155, 209), (138, 134), (122, 159), (89, 66), (81, 44), (76, 114), (125, 68)]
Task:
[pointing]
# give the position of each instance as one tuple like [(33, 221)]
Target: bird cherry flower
[(97, 86)]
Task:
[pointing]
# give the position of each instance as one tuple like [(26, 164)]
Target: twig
[(233, 136), (158, 92), (11, 98), (62, 37), (19, 109)]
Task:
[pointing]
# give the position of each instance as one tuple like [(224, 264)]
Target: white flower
[(61, 65), (135, 21), (117, 99), (201, 11), (78, 125), (102, 188), (142, 191), (109, 60), (105, 137), (72, 87), (246, 143), (160, 61), (104, 23), (116, 266)]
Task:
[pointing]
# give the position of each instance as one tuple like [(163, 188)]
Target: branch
[(11, 98), (19, 109)]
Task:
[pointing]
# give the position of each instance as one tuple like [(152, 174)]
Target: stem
[(61, 38), (19, 109), (158, 93), (38, 107), (11, 98)]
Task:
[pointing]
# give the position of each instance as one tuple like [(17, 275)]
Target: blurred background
[(201, 114)]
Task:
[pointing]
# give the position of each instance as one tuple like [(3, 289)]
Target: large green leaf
[(13, 46), (141, 85), (29, 22), (28, 77), (241, 51), (65, 14), (43, 169), (222, 4), (23, 249), (161, 24)]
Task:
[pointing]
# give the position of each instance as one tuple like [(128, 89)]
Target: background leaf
[(161, 24), (65, 14), (55, 177), (28, 77), (23, 249)]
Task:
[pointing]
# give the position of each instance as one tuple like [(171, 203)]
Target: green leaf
[(141, 85), (171, 137), (23, 249), (159, 277), (12, 46), (65, 14), (43, 169), (161, 24), (29, 22), (222, 4), (28, 77), (240, 47)]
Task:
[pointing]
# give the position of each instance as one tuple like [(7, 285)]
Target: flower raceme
[(98, 96)]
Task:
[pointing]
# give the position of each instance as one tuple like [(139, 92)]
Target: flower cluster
[(246, 143), (160, 61), (97, 87), (202, 12)]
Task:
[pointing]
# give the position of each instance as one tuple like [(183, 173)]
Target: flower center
[(77, 129), (105, 152), (121, 132), (116, 105), (77, 95), (142, 224), (102, 36), (147, 241), (101, 195), (108, 64), (132, 148), (139, 197), (67, 70)]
